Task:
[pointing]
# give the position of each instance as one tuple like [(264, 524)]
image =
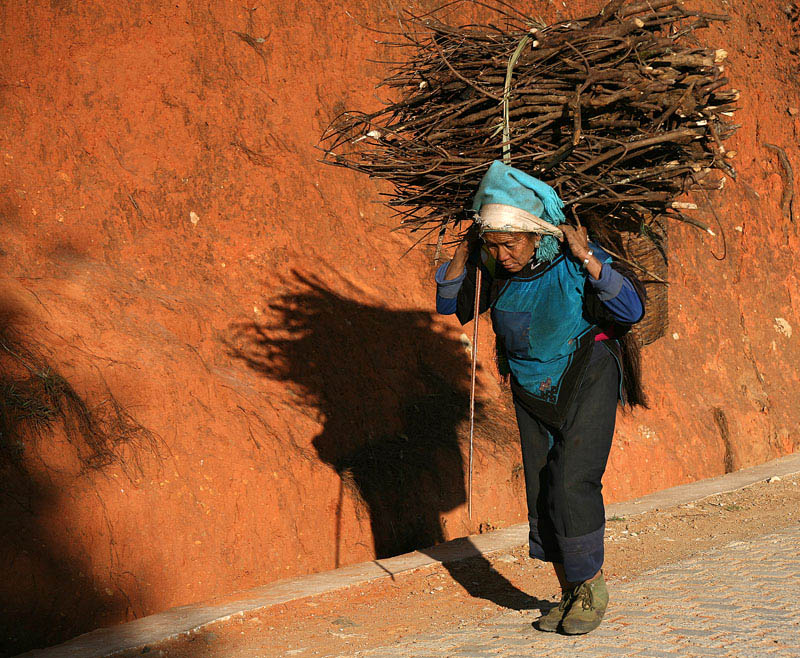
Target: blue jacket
[(541, 321)]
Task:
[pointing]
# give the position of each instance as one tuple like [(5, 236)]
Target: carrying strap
[(512, 62)]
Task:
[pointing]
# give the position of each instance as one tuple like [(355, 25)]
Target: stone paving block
[(704, 625), (732, 630), (604, 652), (778, 617), (647, 630), (689, 632), (630, 613), (521, 626), (509, 622), (427, 645), (467, 648), (715, 605), (700, 652), (706, 643), (747, 593), (519, 641)]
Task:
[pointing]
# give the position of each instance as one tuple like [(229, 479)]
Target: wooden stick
[(461, 77), (478, 277)]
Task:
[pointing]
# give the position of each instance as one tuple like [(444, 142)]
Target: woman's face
[(512, 250)]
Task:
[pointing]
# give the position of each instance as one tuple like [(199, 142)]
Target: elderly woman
[(558, 314)]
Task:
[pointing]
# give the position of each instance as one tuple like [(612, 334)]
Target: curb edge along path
[(192, 618)]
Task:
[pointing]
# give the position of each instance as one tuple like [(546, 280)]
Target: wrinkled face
[(512, 250)]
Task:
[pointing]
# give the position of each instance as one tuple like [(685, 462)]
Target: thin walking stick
[(507, 159), (474, 371)]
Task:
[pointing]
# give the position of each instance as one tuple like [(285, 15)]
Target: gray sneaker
[(550, 622), (589, 603)]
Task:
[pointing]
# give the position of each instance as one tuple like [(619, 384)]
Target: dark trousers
[(564, 467)]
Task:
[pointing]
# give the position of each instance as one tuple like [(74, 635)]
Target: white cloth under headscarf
[(510, 219)]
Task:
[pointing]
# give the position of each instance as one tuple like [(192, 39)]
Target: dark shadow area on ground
[(476, 574), (483, 581), (394, 398)]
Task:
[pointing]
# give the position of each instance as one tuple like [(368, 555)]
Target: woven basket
[(641, 250)]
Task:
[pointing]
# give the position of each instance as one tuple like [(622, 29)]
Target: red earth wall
[(168, 237)]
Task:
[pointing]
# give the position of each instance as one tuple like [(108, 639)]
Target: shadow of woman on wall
[(394, 398), (392, 394)]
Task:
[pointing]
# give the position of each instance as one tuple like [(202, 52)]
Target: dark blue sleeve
[(615, 291), (447, 291)]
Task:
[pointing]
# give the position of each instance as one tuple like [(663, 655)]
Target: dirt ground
[(439, 597)]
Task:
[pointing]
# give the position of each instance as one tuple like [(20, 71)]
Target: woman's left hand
[(577, 239)]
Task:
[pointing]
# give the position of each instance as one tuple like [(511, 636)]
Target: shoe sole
[(579, 630), (546, 628)]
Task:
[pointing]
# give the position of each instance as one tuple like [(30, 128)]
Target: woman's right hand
[(470, 242)]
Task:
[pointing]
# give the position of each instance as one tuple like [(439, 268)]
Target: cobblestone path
[(741, 600)]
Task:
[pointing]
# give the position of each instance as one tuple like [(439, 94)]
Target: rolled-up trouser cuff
[(543, 548), (583, 556)]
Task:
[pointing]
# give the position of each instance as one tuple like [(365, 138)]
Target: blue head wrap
[(503, 184)]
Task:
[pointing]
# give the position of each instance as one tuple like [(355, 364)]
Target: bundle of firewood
[(623, 113)]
